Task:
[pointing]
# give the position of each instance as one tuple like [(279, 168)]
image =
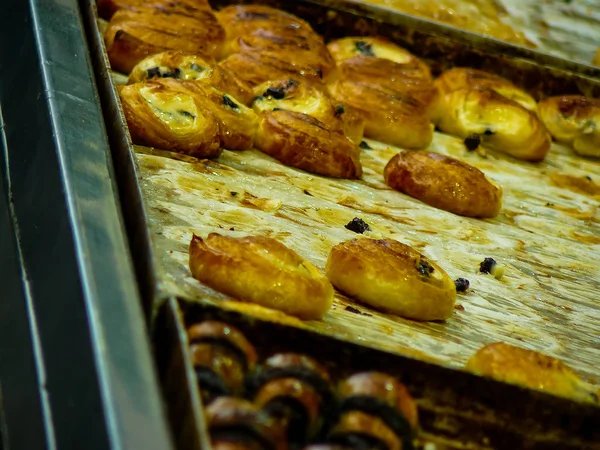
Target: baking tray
[(456, 410), (547, 234)]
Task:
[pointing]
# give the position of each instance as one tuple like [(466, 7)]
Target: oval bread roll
[(392, 277), (445, 183), (189, 66), (301, 141), (462, 78), (161, 114), (261, 270), (106, 8), (573, 120), (501, 124), (528, 368), (365, 426)]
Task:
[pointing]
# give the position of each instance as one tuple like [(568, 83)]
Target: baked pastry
[(222, 357), (390, 117), (312, 99), (465, 78), (445, 183), (188, 66), (237, 123), (261, 270), (133, 35), (491, 119), (358, 429), (301, 141), (573, 120), (392, 277), (528, 368), (237, 424), (383, 396), (107, 8), (294, 390), (163, 115)]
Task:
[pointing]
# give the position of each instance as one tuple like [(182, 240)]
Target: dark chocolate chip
[(472, 141), (364, 48), (186, 114), (307, 193), (365, 146), (197, 68), (339, 110), (488, 132), (588, 177), (277, 109), (357, 225), (424, 268), (320, 73), (233, 193), (153, 72), (276, 93), (487, 265), (462, 284), (352, 309), (228, 102)]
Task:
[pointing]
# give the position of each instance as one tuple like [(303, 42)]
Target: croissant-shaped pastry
[(107, 8), (528, 368), (392, 277), (188, 66), (133, 35), (237, 123), (492, 120), (165, 116), (573, 120), (465, 78), (393, 118), (221, 356), (445, 183), (382, 395), (311, 99), (261, 270), (301, 141), (243, 20)]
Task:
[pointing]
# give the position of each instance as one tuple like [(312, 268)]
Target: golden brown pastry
[(445, 183), (301, 141), (261, 270), (312, 99), (396, 119), (573, 120), (528, 368), (107, 8), (492, 120), (392, 277), (161, 114), (463, 78), (188, 66), (133, 35), (237, 123), (372, 47)]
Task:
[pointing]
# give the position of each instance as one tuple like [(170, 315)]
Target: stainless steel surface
[(101, 383)]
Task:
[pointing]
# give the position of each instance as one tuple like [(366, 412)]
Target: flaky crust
[(573, 120), (159, 114), (189, 66), (502, 124), (133, 35), (261, 270), (462, 78), (301, 141), (393, 118), (312, 99), (445, 183), (528, 368), (237, 123), (392, 277), (107, 8)]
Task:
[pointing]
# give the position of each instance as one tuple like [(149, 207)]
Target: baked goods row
[(291, 400)]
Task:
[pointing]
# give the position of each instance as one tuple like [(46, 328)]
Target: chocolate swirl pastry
[(294, 390), (222, 357)]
